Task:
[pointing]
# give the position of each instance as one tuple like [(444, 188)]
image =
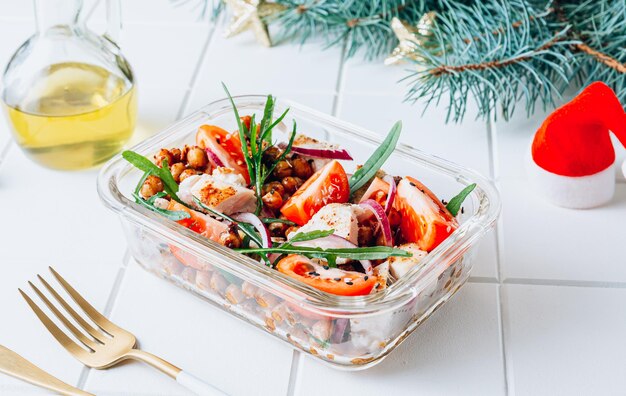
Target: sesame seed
[(412, 184), (337, 279), (462, 209), (313, 273), (326, 267), (349, 283), (366, 277)]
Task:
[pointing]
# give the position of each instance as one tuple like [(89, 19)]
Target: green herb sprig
[(358, 253), (376, 160), (142, 163), (259, 137), (455, 203)]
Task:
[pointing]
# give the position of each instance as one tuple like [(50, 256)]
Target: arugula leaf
[(361, 253), (376, 160), (141, 181), (169, 183), (270, 220), (308, 236), (140, 162), (242, 135), (174, 215), (455, 203)]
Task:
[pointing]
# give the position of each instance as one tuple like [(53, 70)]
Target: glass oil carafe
[(69, 93)]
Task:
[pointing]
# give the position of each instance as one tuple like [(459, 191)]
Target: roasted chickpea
[(186, 173), (366, 235), (283, 169), (183, 153), (291, 184), (163, 154), (230, 239), (276, 186), (273, 200), (151, 186), (301, 168), (176, 170), (278, 229), (272, 154), (176, 155), (197, 158), (291, 230)]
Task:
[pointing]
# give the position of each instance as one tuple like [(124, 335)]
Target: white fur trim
[(578, 192)]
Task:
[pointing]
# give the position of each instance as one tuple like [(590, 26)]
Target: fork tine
[(82, 322), (57, 333), (96, 316), (77, 333)]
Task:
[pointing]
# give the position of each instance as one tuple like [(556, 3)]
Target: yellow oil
[(74, 116)]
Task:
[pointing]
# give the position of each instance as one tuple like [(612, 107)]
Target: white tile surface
[(283, 71), (375, 77), (565, 340), (486, 259), (465, 144), (542, 241), (194, 335), (456, 352)]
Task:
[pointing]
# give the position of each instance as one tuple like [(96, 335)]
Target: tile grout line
[(297, 356), (108, 308), (493, 168), (196, 73)]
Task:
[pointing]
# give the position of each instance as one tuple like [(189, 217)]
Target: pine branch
[(600, 25), (497, 52)]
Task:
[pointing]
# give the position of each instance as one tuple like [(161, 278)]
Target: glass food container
[(345, 332)]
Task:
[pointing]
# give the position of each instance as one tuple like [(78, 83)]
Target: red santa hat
[(572, 156)]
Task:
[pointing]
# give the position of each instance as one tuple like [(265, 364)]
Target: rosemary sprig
[(259, 137), (376, 160)]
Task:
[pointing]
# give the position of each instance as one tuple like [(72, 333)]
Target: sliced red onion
[(391, 192), (381, 216), (332, 153), (256, 223), (213, 157), (339, 330)]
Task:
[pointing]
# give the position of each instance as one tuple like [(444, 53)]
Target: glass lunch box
[(345, 332)]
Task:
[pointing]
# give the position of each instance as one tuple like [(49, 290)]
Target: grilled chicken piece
[(339, 217), (399, 266), (224, 191)]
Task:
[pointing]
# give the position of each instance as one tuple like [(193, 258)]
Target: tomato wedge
[(377, 186), (423, 218), (332, 280), (225, 145), (327, 185), (199, 223)]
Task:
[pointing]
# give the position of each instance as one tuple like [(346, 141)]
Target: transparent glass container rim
[(485, 196)]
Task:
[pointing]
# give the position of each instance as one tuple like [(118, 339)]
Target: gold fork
[(106, 345)]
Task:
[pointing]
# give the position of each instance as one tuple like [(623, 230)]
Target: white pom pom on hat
[(571, 160)]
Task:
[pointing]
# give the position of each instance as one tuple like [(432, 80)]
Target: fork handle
[(184, 378)]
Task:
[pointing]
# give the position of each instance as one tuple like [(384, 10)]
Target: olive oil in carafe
[(74, 116)]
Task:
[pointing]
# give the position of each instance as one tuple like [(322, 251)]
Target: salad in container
[(334, 239)]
